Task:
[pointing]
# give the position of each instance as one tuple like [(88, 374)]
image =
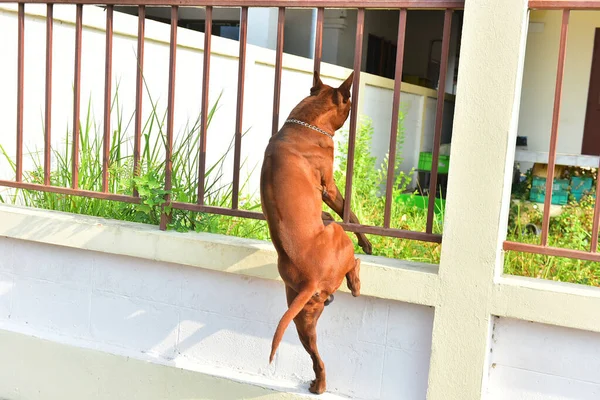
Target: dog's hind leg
[(353, 278), (306, 325)]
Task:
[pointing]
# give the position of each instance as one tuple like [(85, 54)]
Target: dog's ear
[(317, 84), (344, 88)]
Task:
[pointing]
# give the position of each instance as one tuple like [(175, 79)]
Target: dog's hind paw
[(317, 386), (329, 300)]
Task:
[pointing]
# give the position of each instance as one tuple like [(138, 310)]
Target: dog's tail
[(297, 305)]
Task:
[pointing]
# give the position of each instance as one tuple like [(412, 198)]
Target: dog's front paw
[(317, 386), (365, 244)]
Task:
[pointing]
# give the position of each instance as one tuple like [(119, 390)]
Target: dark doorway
[(381, 57), (591, 130)]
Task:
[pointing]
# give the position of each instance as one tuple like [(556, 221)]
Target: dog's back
[(291, 190)]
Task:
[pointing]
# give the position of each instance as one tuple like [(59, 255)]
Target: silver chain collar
[(314, 128)]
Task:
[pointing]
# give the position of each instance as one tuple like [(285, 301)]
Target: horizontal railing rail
[(543, 248), (447, 5)]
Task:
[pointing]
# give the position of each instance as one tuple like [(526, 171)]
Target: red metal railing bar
[(76, 97), (551, 251), (164, 217), (411, 4), (565, 4), (360, 27), (319, 40), (395, 110), (216, 210), (139, 82), (374, 230), (390, 232), (237, 152), (70, 192), (278, 67), (439, 118), (48, 105), (107, 97), (204, 107), (562, 50), (20, 74)]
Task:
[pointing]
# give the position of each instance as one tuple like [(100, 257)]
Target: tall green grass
[(149, 180)]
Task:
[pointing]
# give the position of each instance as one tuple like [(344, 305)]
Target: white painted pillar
[(334, 24), (483, 143)]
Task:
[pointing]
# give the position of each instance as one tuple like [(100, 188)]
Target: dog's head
[(326, 106), (336, 100)]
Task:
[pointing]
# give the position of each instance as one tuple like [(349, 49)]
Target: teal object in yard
[(559, 197), (560, 191), (559, 184), (581, 186)]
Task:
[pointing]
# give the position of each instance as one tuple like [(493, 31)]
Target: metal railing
[(592, 254), (200, 206)]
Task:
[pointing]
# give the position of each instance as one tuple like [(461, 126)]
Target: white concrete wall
[(380, 114), (532, 361), (73, 317), (209, 321), (296, 81), (539, 80)]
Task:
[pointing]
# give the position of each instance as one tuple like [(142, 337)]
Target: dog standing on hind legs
[(296, 177)]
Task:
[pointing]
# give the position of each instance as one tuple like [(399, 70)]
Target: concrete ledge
[(381, 277), (45, 370), (547, 302)]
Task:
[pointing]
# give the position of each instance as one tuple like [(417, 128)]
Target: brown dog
[(296, 177)]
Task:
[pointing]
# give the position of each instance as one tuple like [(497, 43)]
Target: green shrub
[(368, 196)]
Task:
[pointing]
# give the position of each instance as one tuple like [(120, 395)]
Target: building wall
[(539, 80)]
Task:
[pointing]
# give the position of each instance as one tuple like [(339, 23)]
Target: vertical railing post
[(107, 98), (395, 112), (48, 104), (278, 67), (240, 108), (358, 44), (139, 83), (76, 98), (562, 52), (166, 214), (319, 40), (20, 73), (439, 119), (204, 107)]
